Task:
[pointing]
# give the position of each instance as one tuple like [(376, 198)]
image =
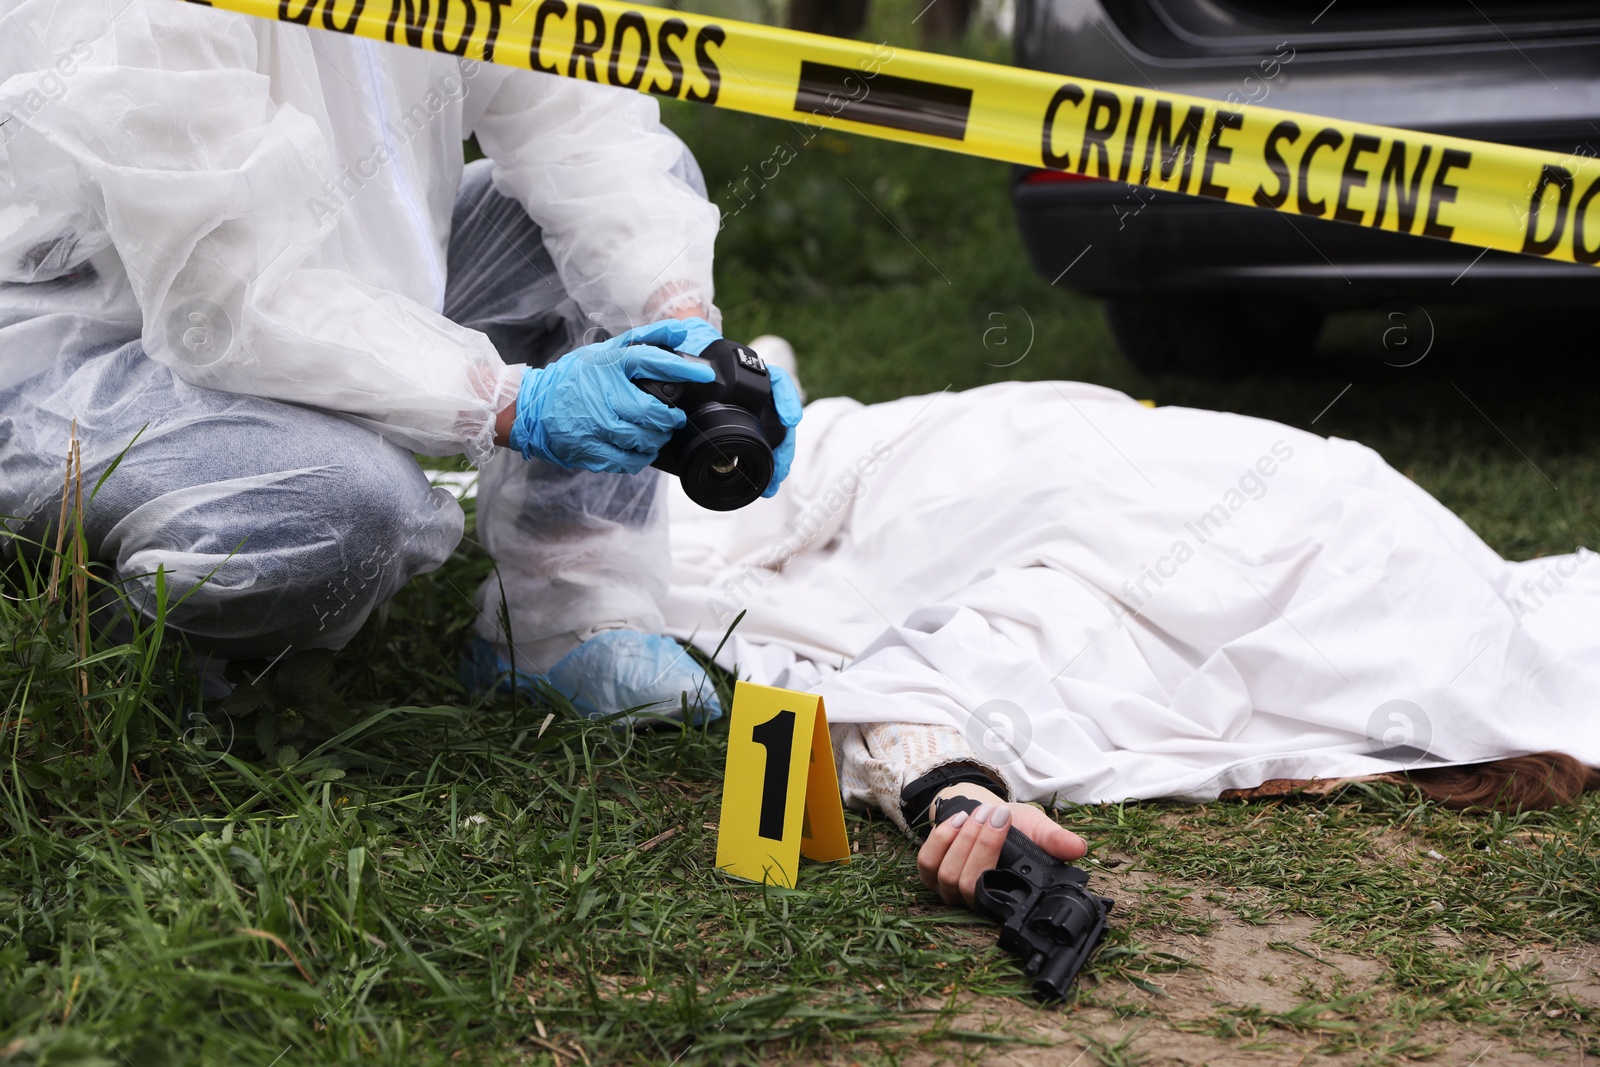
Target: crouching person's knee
[(292, 560)]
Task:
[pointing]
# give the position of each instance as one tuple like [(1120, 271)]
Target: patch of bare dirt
[(1240, 976), (1573, 972)]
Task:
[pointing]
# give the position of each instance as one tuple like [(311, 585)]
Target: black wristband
[(917, 795)]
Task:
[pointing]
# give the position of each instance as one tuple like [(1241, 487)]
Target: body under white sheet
[(1178, 601)]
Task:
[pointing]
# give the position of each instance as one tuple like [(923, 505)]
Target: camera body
[(723, 453)]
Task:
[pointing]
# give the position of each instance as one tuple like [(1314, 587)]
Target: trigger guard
[(1002, 894)]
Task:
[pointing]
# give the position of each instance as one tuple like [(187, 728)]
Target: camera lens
[(726, 462)]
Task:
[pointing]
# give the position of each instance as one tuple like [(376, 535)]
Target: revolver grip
[(1019, 853)]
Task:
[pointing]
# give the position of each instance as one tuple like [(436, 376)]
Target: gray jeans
[(276, 526)]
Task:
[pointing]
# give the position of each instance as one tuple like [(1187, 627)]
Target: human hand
[(785, 397), (584, 411), (963, 847), (700, 334)]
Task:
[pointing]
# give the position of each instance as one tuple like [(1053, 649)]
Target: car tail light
[(1043, 177)]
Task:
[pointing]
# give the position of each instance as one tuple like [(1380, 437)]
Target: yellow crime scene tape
[(1470, 192)]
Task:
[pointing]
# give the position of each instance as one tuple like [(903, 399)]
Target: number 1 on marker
[(776, 735)]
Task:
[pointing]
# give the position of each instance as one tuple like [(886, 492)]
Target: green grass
[(366, 868)]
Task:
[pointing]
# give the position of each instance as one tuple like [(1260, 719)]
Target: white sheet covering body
[(269, 205), (1173, 602)]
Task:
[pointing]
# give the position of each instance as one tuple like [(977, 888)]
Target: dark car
[(1212, 289)]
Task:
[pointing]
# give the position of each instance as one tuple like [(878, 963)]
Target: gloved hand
[(785, 397), (700, 334), (584, 411)]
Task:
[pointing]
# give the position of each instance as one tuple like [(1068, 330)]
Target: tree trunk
[(945, 20), (836, 18)]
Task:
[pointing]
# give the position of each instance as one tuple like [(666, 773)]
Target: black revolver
[(1046, 915)]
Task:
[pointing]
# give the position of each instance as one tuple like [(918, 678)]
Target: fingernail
[(1000, 818), (959, 819), (982, 813)]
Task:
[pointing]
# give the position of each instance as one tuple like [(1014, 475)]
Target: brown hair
[(1521, 783)]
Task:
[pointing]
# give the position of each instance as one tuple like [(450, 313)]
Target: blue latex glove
[(785, 397), (700, 335), (584, 411)]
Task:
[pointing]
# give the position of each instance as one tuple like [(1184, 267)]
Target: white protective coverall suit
[(219, 230)]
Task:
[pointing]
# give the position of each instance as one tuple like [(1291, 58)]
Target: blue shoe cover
[(625, 670), (484, 670), (618, 670)]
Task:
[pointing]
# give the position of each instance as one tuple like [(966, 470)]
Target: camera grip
[(669, 393)]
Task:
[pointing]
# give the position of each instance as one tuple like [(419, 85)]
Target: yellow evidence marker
[(780, 795)]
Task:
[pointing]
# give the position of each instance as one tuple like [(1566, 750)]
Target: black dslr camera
[(723, 454)]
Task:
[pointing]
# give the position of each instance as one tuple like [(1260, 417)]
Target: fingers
[(624, 440), (665, 333), (985, 851), (974, 848), (639, 424), (931, 855), (700, 336), (959, 850), (782, 460), (635, 407), (643, 361), (785, 397), (631, 452), (1049, 835)]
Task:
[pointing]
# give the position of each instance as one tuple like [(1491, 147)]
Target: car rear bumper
[(1112, 239)]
